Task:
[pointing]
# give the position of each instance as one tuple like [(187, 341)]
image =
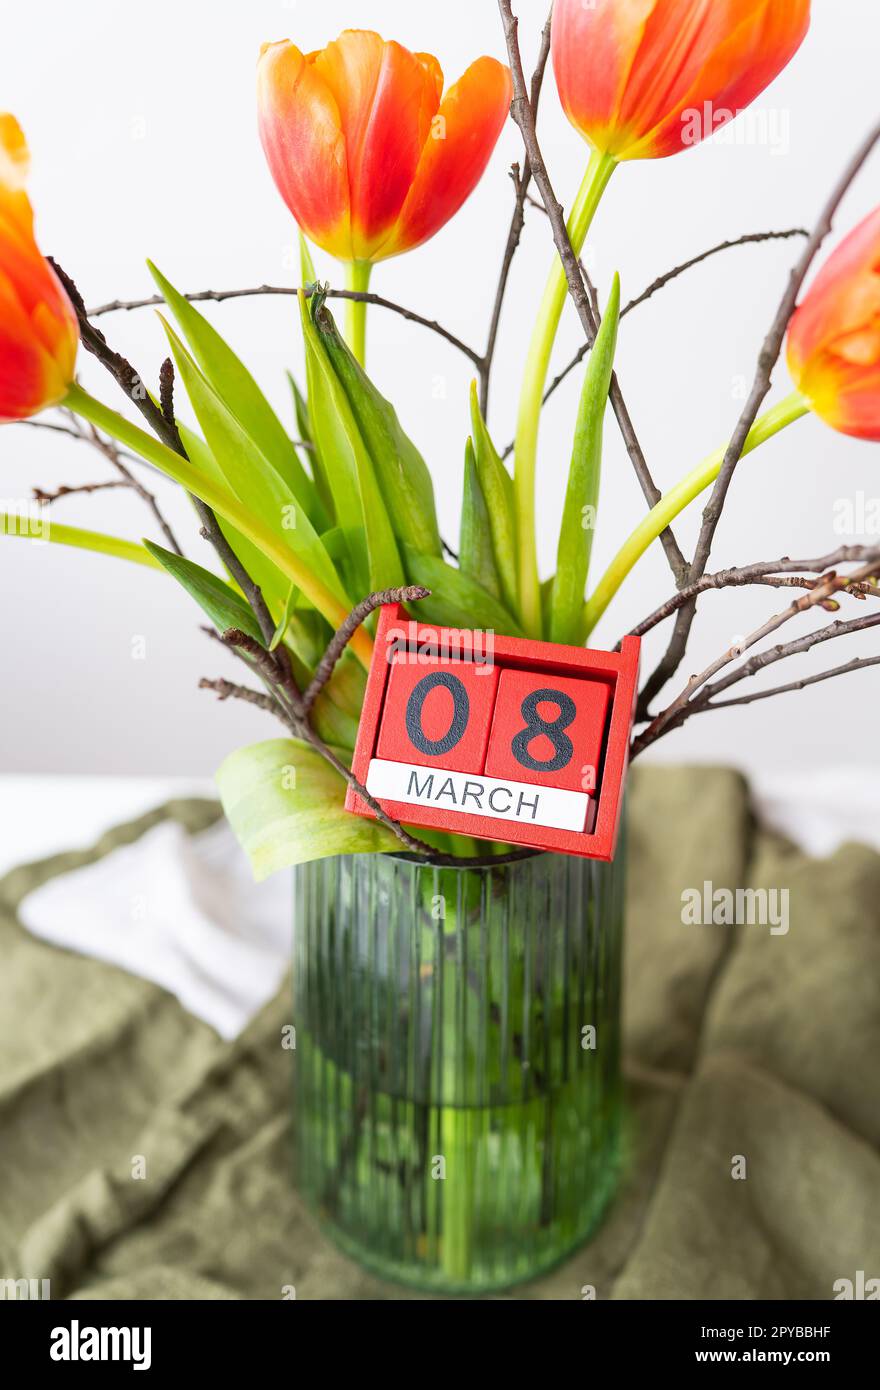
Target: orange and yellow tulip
[(38, 327), (367, 153), (642, 79), (834, 338)]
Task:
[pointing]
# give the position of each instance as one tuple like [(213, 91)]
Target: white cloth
[(184, 911)]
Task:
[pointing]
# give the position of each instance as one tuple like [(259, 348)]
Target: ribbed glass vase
[(457, 1061)]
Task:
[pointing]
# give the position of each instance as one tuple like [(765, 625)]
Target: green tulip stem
[(794, 407), (599, 171), (357, 278)]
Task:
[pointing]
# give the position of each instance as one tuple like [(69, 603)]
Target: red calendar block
[(438, 712), (459, 731), (548, 730)]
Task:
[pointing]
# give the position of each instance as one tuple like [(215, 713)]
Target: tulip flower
[(639, 79), (642, 79), (368, 154), (38, 327), (834, 339)]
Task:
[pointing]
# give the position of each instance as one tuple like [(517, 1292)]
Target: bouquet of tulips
[(313, 525)]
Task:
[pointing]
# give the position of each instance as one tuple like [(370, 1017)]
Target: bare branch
[(218, 296), (698, 692), (767, 360), (226, 690), (662, 280), (858, 663), (47, 498), (522, 113), (344, 634), (761, 572), (517, 222)]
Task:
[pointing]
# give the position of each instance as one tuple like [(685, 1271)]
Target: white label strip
[(478, 796)]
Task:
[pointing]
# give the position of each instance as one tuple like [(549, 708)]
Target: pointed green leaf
[(285, 804), (403, 476), (358, 502), (497, 487), (254, 481), (307, 435), (476, 557), (222, 604), (456, 599), (284, 621), (306, 264), (239, 391), (582, 494)]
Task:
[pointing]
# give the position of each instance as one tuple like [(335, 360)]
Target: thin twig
[(517, 222), (760, 572), (858, 663), (226, 690), (698, 690), (218, 296), (767, 360), (341, 638), (522, 113), (166, 390), (47, 498), (656, 285)]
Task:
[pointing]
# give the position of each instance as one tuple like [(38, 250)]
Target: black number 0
[(553, 729), (461, 709)]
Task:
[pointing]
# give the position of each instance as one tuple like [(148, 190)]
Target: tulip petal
[(387, 98), (739, 47), (462, 138), (834, 337), (644, 79), (301, 132)]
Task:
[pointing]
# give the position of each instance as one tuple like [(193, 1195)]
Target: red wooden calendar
[(499, 738)]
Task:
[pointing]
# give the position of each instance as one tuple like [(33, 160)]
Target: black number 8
[(553, 729), (461, 709)]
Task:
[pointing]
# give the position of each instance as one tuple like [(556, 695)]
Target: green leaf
[(497, 488), (236, 387), (358, 503), (254, 481), (25, 528), (456, 599), (403, 476), (307, 435), (285, 804), (307, 265), (284, 621), (475, 554), (214, 596), (582, 494), (224, 502)]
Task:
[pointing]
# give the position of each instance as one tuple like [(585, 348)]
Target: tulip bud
[(38, 326)]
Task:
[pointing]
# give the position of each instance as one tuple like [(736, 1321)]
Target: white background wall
[(141, 123)]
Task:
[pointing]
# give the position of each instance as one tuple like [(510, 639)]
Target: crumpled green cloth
[(746, 1053)]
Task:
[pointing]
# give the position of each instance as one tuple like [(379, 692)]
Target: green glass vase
[(457, 1061)]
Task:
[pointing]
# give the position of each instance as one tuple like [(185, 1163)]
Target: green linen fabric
[(752, 1168)]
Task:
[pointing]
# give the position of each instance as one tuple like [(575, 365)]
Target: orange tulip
[(641, 79), (366, 152), (834, 338), (38, 328)]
